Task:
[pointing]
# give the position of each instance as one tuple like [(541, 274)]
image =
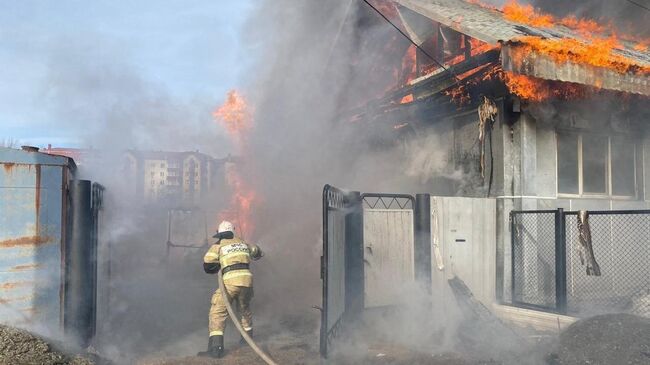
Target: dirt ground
[(606, 339), (287, 349), (301, 354)]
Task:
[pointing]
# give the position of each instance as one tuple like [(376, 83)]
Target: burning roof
[(538, 45)]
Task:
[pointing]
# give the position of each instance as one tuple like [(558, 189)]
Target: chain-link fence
[(581, 263), (533, 258), (620, 242)]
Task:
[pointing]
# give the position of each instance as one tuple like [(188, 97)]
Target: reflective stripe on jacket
[(229, 252)]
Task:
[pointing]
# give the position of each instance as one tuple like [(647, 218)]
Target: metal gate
[(389, 247), (397, 226)]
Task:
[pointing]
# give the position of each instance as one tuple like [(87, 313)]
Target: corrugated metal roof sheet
[(489, 25), (11, 155)]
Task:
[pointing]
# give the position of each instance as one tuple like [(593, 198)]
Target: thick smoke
[(315, 61), (149, 301), (311, 62), (97, 93), (626, 16)]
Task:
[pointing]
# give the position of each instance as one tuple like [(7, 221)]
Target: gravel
[(21, 347), (606, 339)]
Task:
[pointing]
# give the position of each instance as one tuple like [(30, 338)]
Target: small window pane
[(567, 163), (622, 167), (594, 164)]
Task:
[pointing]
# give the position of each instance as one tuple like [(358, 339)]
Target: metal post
[(354, 267), (560, 262), (323, 273), (80, 258), (422, 227), (512, 257)]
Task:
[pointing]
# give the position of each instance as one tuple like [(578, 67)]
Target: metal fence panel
[(533, 259), (621, 246), (549, 261)]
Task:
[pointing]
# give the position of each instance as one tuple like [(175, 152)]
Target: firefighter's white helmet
[(226, 226)]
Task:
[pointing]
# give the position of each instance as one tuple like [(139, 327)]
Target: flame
[(585, 27), (409, 65), (526, 14), (237, 118), (406, 99), (525, 87), (598, 52), (534, 89), (596, 49)]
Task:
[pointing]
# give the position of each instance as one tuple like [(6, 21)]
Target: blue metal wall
[(33, 205)]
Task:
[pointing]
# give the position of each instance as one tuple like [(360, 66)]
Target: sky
[(189, 48)]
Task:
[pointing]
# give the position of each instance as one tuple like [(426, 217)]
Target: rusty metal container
[(34, 204)]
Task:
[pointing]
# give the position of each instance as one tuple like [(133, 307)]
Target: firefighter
[(232, 255)]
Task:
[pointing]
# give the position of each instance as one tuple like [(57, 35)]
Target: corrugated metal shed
[(489, 25), (33, 205)]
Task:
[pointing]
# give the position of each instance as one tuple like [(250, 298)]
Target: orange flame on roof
[(598, 52), (596, 49), (237, 118), (526, 14), (534, 89)]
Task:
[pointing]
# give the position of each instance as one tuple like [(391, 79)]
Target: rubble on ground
[(606, 339), (19, 347)]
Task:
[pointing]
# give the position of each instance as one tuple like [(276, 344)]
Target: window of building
[(593, 164), (162, 174), (162, 164)]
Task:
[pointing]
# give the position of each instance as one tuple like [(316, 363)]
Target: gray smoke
[(149, 301), (628, 17), (99, 95), (316, 60)]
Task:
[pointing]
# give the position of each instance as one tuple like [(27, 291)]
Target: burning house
[(546, 118)]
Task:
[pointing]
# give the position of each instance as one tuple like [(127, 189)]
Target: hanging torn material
[(436, 236), (586, 251), (487, 111)]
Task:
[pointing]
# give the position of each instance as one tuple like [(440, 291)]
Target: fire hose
[(264, 356)]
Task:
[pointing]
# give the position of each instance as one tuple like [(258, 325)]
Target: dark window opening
[(567, 164), (623, 161), (594, 164)]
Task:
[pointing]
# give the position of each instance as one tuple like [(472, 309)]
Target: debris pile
[(606, 339), (21, 347)]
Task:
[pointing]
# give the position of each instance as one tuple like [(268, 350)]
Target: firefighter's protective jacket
[(234, 254)]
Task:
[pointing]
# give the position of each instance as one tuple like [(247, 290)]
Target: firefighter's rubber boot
[(243, 341), (215, 348)]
